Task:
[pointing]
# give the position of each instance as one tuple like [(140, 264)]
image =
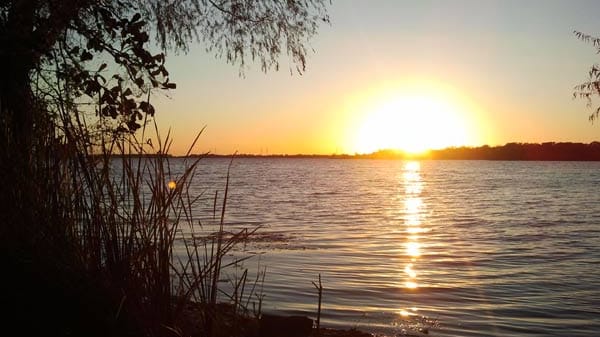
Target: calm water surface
[(462, 248)]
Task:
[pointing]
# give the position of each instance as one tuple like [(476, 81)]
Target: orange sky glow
[(404, 75)]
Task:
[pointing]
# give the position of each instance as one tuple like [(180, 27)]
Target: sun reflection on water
[(412, 166), (413, 249), (408, 270), (413, 205), (412, 220), (408, 312), (411, 285), (415, 230), (413, 209)]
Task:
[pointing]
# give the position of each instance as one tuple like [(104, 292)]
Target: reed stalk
[(319, 288)]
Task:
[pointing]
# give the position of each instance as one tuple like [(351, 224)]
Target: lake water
[(461, 248)]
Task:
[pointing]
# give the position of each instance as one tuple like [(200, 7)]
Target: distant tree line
[(522, 151), (559, 151)]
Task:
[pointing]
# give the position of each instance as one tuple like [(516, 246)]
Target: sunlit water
[(460, 248)]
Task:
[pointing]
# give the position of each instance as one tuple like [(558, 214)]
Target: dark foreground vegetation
[(87, 240)]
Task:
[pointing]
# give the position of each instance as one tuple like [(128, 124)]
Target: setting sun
[(413, 123)]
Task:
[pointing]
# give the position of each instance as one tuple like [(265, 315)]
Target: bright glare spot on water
[(413, 188), (408, 312), (411, 176), (412, 220), (172, 184), (412, 205), (408, 270), (416, 230), (411, 285), (413, 249), (412, 166)]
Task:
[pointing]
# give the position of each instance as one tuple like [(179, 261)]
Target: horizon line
[(380, 151)]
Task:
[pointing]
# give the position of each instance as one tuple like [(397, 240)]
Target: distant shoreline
[(550, 151)]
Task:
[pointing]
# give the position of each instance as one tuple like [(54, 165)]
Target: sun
[(412, 123)]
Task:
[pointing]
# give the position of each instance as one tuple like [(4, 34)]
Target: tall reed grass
[(100, 218)]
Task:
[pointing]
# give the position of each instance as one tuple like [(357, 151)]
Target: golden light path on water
[(413, 207)]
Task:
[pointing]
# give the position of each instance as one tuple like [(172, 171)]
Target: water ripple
[(464, 248)]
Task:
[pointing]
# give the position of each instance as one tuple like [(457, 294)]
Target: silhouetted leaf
[(92, 88), (86, 56)]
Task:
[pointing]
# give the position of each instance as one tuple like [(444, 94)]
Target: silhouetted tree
[(591, 87), (57, 55)]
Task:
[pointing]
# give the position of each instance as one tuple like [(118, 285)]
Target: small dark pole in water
[(215, 204), (320, 289)]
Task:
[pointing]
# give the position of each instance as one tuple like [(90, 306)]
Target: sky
[(397, 74)]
